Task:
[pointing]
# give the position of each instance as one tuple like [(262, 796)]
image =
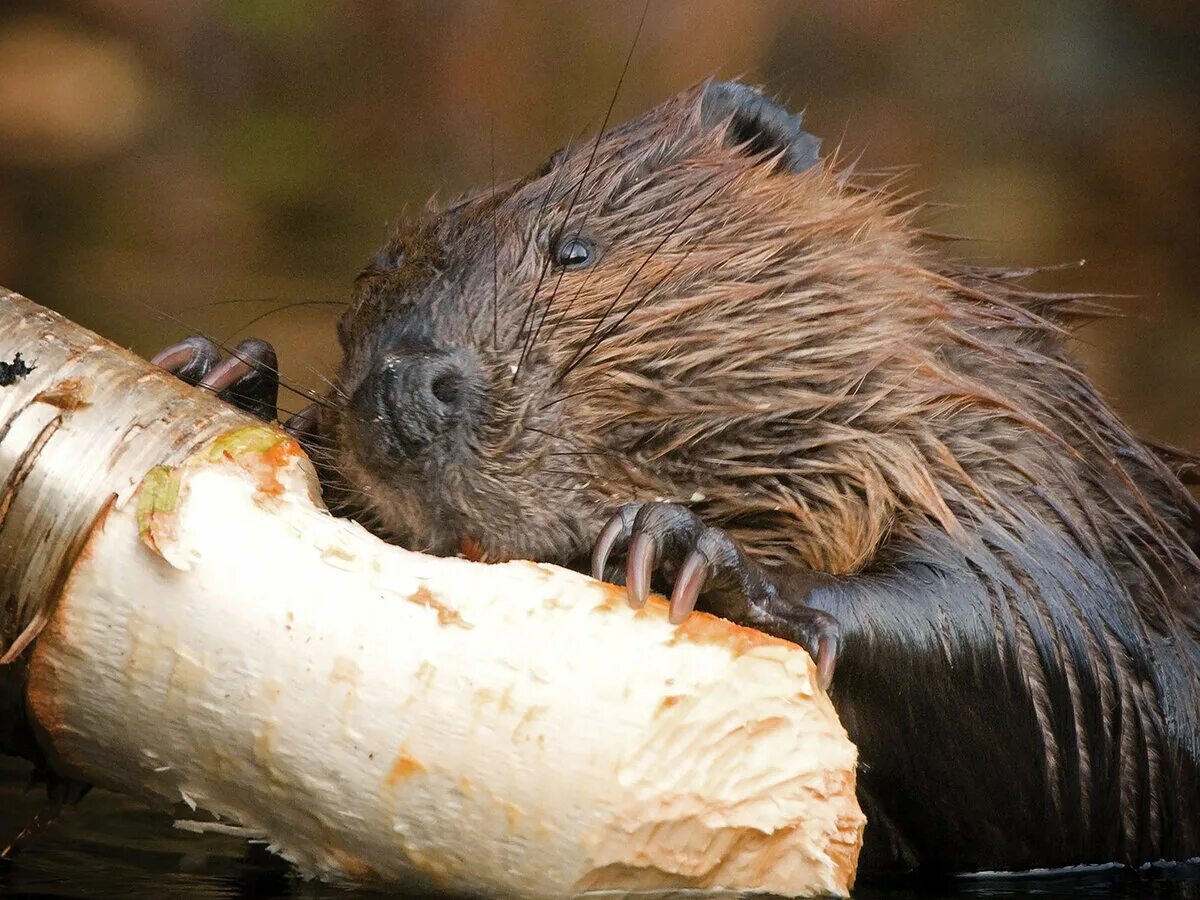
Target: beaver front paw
[(709, 571), (248, 378)]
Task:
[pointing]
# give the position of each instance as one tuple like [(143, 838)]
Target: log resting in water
[(184, 621)]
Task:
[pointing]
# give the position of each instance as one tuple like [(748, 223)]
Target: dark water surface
[(111, 846)]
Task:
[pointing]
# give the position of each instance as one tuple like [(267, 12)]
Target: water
[(111, 846)]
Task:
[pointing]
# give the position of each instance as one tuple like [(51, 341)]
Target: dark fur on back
[(782, 349)]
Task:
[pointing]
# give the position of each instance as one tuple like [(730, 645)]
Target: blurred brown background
[(159, 158)]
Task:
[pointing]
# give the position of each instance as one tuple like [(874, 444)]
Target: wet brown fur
[(796, 360), (813, 310)]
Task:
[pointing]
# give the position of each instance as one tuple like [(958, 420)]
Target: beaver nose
[(423, 394)]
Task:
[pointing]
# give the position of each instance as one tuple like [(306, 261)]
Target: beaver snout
[(411, 400)]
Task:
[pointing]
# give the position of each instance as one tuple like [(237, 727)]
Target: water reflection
[(113, 847)]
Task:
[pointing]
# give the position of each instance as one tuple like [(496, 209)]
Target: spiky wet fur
[(795, 359), (805, 361)]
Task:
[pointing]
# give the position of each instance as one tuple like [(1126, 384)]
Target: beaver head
[(696, 307)]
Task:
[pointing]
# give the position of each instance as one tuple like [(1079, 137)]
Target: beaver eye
[(574, 253)]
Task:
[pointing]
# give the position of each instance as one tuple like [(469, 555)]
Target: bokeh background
[(162, 159), (168, 165)]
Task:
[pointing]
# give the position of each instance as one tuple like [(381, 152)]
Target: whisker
[(532, 237), (578, 393), (587, 169), (605, 453), (549, 303), (495, 245), (279, 309), (543, 431), (255, 364), (613, 328), (332, 385), (569, 473), (211, 303), (571, 303), (587, 448), (584, 350)]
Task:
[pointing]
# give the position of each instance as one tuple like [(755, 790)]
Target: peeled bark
[(191, 624)]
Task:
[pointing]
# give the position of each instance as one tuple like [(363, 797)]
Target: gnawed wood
[(206, 632)]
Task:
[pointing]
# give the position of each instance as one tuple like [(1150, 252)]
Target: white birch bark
[(200, 629)]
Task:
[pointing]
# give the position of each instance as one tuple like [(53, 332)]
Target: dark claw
[(817, 632), (688, 584), (189, 360), (226, 374), (248, 378), (826, 657), (304, 425), (615, 530), (643, 554), (711, 572)]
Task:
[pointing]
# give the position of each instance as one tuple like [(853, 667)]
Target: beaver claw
[(709, 569), (248, 378)]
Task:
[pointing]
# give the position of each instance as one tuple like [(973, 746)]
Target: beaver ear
[(759, 124)]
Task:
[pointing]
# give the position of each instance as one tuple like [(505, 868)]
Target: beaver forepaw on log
[(696, 344), (708, 561)]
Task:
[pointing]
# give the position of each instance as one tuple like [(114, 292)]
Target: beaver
[(697, 355)]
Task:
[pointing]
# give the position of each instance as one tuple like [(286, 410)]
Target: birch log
[(192, 625)]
